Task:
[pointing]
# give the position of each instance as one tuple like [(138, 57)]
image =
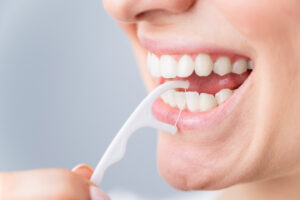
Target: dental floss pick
[(141, 117)]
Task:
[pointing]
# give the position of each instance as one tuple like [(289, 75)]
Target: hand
[(48, 184)]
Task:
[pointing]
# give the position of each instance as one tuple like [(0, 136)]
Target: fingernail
[(97, 194), (76, 167), (80, 166)]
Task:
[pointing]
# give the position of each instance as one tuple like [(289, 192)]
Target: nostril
[(183, 6), (166, 8), (150, 14)]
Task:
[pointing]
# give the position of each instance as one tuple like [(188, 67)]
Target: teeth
[(153, 65), (222, 95), (168, 66), (169, 98), (164, 97), (250, 64), (180, 100), (239, 66), (222, 66), (192, 101), (207, 101), (149, 60), (195, 102), (186, 66), (204, 65)]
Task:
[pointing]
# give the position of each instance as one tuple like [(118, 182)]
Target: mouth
[(217, 81)]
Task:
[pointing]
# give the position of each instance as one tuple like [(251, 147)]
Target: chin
[(188, 164)]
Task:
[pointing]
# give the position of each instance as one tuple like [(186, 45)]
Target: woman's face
[(255, 133)]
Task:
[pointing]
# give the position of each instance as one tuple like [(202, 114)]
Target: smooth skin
[(260, 159), (50, 184), (257, 156)]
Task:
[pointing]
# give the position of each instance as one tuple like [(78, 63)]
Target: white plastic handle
[(141, 117)]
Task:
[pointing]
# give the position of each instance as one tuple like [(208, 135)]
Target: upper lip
[(178, 47)]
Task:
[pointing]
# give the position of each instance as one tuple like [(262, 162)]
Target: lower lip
[(188, 121)]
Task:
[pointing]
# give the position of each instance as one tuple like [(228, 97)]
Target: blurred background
[(68, 81)]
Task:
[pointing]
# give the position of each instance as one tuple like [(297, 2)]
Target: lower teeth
[(194, 101)]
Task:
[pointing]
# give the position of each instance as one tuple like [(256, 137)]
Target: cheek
[(140, 54), (260, 19)]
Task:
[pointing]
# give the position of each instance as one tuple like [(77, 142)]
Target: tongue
[(214, 83)]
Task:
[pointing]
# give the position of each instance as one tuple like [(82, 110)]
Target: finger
[(83, 170), (43, 184), (86, 171), (98, 194)]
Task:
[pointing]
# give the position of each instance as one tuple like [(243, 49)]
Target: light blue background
[(68, 81)]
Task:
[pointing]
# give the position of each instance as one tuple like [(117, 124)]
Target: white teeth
[(222, 95), (192, 101), (149, 60), (164, 97), (168, 66), (195, 102), (186, 66), (222, 66), (250, 64), (169, 97), (204, 65), (239, 66), (153, 65), (180, 100), (207, 101)]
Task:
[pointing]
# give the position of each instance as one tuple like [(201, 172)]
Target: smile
[(216, 82)]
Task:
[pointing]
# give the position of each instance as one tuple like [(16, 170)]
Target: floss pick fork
[(141, 117)]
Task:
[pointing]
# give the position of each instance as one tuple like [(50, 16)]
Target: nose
[(129, 11)]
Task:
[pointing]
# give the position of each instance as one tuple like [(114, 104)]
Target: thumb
[(83, 170), (86, 171)]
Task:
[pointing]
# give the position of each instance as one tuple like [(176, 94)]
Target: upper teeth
[(166, 66), (222, 66), (186, 66), (204, 65)]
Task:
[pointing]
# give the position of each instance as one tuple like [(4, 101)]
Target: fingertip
[(97, 194), (83, 170)]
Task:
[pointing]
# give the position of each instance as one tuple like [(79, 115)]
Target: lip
[(189, 121), (179, 47)]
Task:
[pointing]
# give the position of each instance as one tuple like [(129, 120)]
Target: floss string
[(178, 117)]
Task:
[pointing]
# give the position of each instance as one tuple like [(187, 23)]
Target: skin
[(46, 184), (261, 151), (260, 159)]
